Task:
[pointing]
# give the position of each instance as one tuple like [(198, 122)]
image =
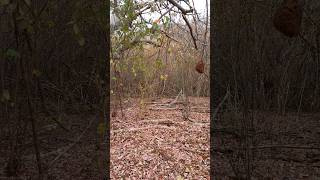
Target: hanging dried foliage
[(200, 67), (287, 18)]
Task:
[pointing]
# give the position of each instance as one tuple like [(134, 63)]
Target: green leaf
[(36, 72), (5, 95), (76, 29), (167, 19), (81, 40), (101, 128), (78, 34), (51, 24), (11, 53), (4, 2), (30, 29), (159, 64)]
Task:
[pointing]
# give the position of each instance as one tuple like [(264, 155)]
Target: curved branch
[(191, 32), (184, 11)]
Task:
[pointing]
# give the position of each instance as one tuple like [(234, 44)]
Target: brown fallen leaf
[(114, 114)]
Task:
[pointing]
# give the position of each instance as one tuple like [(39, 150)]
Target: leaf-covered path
[(154, 141)]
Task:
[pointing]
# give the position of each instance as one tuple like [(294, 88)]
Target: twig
[(286, 147), (43, 155), (145, 41), (169, 121), (191, 32), (198, 123), (220, 105), (175, 100), (206, 30), (271, 147), (142, 128), (165, 108), (71, 145)]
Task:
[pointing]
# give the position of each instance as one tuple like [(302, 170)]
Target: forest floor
[(74, 154), (284, 146), (155, 141)]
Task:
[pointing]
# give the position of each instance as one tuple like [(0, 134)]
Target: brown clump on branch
[(200, 67), (287, 18)]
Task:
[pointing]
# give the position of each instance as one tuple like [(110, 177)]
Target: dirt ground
[(284, 146), (154, 141), (76, 154)]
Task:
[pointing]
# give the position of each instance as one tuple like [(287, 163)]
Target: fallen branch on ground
[(286, 147), (142, 128), (220, 105), (71, 145), (175, 122)]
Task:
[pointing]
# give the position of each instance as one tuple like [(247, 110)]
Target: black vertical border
[(107, 90), (213, 51)]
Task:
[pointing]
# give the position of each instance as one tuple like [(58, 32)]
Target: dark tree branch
[(191, 32), (184, 11)]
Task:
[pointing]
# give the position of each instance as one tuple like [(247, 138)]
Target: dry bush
[(162, 72)]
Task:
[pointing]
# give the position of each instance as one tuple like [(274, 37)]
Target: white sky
[(200, 6)]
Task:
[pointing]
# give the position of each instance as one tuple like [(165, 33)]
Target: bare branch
[(191, 32), (146, 41), (184, 11)]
